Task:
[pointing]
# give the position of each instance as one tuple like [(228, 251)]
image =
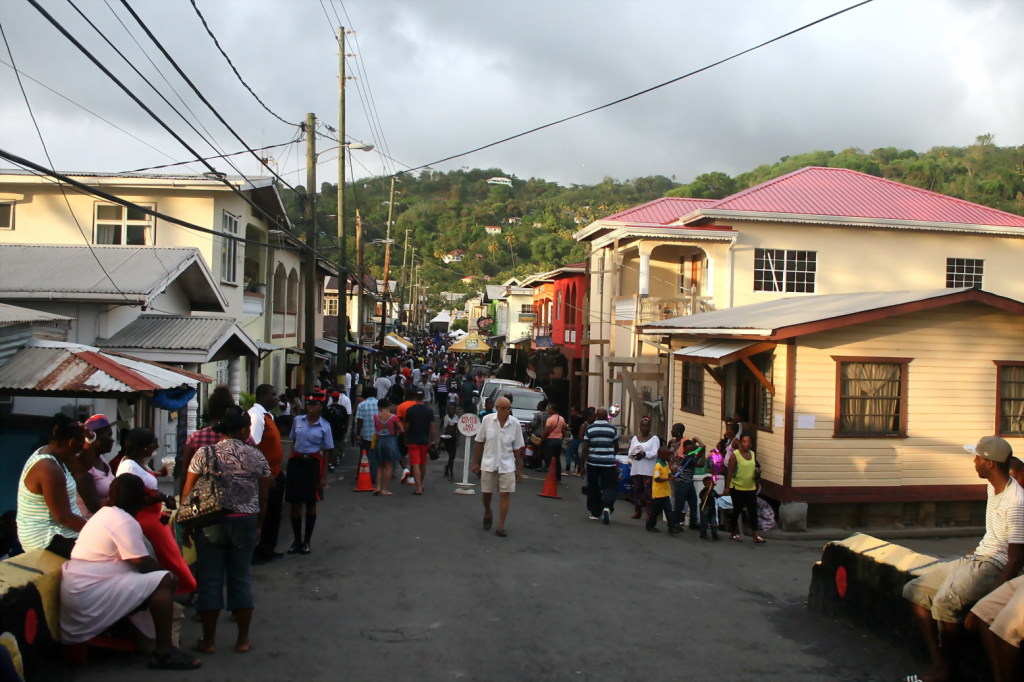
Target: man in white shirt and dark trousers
[(498, 460), (941, 598)]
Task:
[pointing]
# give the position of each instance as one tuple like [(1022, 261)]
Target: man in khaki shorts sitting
[(498, 460), (941, 598), (999, 616)]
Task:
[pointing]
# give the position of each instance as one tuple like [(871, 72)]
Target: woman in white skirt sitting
[(111, 575)]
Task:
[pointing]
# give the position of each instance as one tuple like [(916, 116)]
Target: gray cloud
[(449, 75)]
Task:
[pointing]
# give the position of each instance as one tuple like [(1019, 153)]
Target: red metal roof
[(846, 193), (661, 211)]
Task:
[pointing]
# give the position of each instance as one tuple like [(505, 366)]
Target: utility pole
[(401, 280), (310, 293), (341, 366), (359, 281), (386, 300)]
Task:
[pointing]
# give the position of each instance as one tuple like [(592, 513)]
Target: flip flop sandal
[(501, 533), (760, 541), (175, 659), (203, 648), (487, 522), (736, 538)]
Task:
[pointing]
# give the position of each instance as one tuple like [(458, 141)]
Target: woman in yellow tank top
[(741, 482)]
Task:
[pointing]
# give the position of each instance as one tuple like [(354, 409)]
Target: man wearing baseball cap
[(948, 591)]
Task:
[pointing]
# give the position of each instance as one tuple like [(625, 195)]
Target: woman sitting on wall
[(111, 575)]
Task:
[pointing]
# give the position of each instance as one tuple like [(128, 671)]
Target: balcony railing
[(252, 304), (654, 309)]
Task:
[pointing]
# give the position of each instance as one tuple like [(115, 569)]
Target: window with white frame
[(785, 270), (6, 215), (331, 306), (229, 248), (123, 225), (964, 272), (526, 309)]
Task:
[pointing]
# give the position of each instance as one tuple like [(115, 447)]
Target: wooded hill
[(445, 212)]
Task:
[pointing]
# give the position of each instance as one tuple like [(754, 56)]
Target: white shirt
[(382, 384), (649, 448), (1004, 522), (130, 466), (500, 443), (256, 414), (112, 534), (344, 401), (415, 375)]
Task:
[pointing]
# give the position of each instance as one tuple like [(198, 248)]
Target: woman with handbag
[(224, 548), (139, 446)]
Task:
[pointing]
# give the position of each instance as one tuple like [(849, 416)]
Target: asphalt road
[(412, 588)]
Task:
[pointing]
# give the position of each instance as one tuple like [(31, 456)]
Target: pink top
[(555, 425)]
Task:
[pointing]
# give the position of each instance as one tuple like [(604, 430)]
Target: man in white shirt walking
[(498, 460)]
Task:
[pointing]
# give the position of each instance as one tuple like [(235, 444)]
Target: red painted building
[(568, 316)]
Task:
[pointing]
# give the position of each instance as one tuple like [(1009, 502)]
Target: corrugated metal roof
[(171, 332), (242, 182), (53, 366), (764, 318), (12, 314), (841, 192), (660, 211), (713, 350)]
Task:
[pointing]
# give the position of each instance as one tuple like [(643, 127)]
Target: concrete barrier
[(30, 609), (860, 579)]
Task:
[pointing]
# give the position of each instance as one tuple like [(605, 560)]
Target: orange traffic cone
[(550, 484), (364, 483)]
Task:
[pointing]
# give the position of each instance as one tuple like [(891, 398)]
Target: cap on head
[(316, 397), (96, 422), (645, 420), (991, 448), (335, 394)]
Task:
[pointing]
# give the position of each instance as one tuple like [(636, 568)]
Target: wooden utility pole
[(309, 316), (359, 281), (401, 280), (341, 365), (387, 298)]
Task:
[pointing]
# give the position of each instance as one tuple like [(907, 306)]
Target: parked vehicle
[(525, 403), (492, 388)]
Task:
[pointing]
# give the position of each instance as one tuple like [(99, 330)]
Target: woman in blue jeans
[(224, 549)]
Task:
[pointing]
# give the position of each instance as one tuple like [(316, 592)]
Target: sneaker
[(305, 548), (592, 517), (295, 548), (331, 468), (652, 530), (674, 530), (606, 516)]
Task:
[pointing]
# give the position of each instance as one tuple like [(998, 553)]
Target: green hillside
[(443, 212)]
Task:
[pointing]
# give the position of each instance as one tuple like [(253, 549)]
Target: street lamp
[(342, 361)]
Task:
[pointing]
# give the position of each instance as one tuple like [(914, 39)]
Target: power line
[(232, 65), (642, 92), (86, 189), (93, 113), (199, 94), (74, 41), (46, 151), (218, 156)]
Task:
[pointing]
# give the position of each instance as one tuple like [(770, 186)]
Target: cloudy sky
[(447, 76)]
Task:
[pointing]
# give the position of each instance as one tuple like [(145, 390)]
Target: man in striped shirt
[(947, 592), (600, 443)]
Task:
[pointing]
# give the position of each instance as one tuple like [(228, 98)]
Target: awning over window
[(718, 352)]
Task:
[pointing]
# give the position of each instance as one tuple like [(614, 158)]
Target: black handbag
[(206, 503)]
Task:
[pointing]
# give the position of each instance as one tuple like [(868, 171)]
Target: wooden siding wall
[(708, 426), (951, 397)]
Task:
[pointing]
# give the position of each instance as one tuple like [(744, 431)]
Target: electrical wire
[(46, 151), (641, 92), (241, 80), (93, 113), (74, 41), (211, 158), (199, 94)]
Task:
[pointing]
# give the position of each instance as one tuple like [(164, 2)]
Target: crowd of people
[(109, 518)]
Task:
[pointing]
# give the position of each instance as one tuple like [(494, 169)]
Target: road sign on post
[(469, 424)]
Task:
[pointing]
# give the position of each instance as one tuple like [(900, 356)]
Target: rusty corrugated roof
[(54, 366)]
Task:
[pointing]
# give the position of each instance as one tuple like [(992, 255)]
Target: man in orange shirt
[(402, 446), (267, 437)]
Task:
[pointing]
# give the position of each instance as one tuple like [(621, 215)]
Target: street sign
[(469, 424)]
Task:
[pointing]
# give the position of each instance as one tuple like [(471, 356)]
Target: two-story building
[(889, 287)]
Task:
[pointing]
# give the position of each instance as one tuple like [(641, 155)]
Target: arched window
[(293, 292), (280, 289), (559, 303)]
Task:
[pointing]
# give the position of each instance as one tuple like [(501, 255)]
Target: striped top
[(1004, 522), (602, 440), (36, 526)]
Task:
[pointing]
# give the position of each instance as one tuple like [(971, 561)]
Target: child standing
[(661, 491), (708, 509)]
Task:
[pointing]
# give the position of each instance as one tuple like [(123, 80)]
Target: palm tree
[(493, 247), (510, 239)]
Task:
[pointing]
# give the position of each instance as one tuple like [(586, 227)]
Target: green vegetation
[(443, 212)]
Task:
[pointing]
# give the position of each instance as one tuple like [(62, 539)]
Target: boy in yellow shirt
[(661, 491)]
